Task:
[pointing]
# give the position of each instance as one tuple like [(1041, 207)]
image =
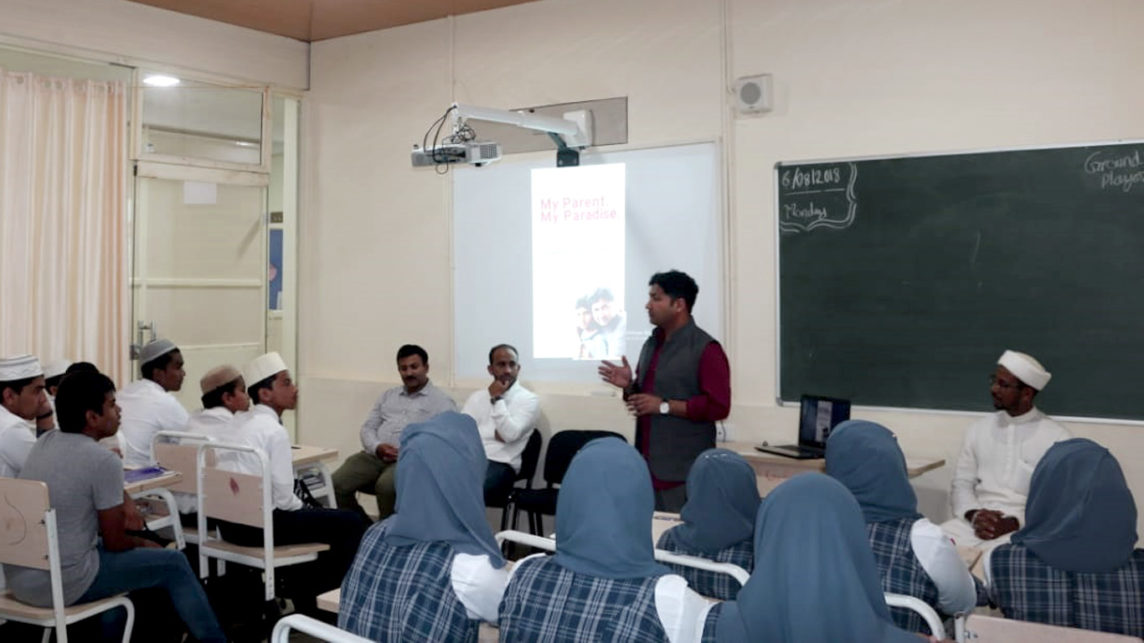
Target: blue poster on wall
[(274, 273)]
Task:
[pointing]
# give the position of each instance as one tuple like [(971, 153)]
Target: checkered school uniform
[(708, 583), (1028, 589), (710, 622), (545, 603), (403, 594), (901, 571)]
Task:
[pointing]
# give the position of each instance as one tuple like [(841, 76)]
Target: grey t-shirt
[(83, 479)]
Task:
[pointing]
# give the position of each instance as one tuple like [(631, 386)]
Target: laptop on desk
[(817, 418)]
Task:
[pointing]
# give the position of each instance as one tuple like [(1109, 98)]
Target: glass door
[(199, 275)]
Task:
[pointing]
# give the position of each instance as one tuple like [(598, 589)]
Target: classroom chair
[(313, 627), (928, 614), (538, 503), (976, 628), (174, 454), (28, 538), (243, 499), (529, 458)]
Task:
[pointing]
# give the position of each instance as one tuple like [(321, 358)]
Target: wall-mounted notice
[(578, 219), (817, 196)]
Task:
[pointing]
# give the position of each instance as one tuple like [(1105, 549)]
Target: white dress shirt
[(478, 585), (217, 423), (997, 461), (937, 554), (17, 436), (262, 429), (681, 611), (146, 410), (513, 416)]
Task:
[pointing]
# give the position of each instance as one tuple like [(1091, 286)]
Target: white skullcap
[(263, 367), (218, 376), (1027, 369), (20, 367), (56, 368), (156, 349)]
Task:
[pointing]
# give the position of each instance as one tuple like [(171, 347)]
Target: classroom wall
[(852, 77), (132, 33)]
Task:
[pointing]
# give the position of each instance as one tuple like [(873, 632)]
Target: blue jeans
[(137, 569)]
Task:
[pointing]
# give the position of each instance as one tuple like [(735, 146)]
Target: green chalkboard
[(902, 280)]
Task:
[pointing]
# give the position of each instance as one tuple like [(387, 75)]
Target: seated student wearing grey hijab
[(603, 583), (913, 555), (432, 571), (718, 521), (815, 579), (1073, 563)]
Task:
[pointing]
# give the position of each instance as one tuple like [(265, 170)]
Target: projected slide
[(578, 262)]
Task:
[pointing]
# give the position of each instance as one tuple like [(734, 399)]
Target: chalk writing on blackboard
[(819, 196), (1117, 170)]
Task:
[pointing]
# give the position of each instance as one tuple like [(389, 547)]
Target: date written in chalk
[(814, 177)]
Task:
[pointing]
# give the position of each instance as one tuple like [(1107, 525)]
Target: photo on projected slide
[(578, 219), (601, 324)]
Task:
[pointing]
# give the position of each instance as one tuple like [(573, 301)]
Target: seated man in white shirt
[(506, 413), (274, 393), (24, 408), (148, 406), (991, 482)]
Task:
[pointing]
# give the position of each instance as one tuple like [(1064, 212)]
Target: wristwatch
[(664, 408)]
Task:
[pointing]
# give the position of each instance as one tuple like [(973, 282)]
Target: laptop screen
[(818, 416)]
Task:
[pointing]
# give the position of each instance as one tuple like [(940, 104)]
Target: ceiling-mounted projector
[(472, 152)]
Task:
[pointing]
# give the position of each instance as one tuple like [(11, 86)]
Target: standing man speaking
[(681, 387)]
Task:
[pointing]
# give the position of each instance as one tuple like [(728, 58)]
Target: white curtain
[(63, 224)]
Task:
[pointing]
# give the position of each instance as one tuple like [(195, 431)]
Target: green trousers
[(368, 474)]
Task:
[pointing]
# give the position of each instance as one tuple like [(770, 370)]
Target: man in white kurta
[(23, 406), (147, 404), (506, 413), (1000, 452)]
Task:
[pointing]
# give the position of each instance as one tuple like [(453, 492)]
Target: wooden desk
[(311, 457), (773, 469), (302, 455), (157, 487), (160, 481), (661, 521)]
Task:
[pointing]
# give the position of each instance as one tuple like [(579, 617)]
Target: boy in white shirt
[(274, 392), (148, 406)]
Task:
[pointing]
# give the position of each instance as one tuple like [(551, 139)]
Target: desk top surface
[(165, 479), (661, 521), (914, 466), (304, 454)]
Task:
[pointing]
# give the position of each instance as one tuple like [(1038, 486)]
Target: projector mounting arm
[(572, 131)]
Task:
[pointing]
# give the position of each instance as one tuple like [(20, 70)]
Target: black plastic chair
[(538, 503), (529, 458)]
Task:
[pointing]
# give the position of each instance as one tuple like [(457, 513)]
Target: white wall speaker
[(754, 94)]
